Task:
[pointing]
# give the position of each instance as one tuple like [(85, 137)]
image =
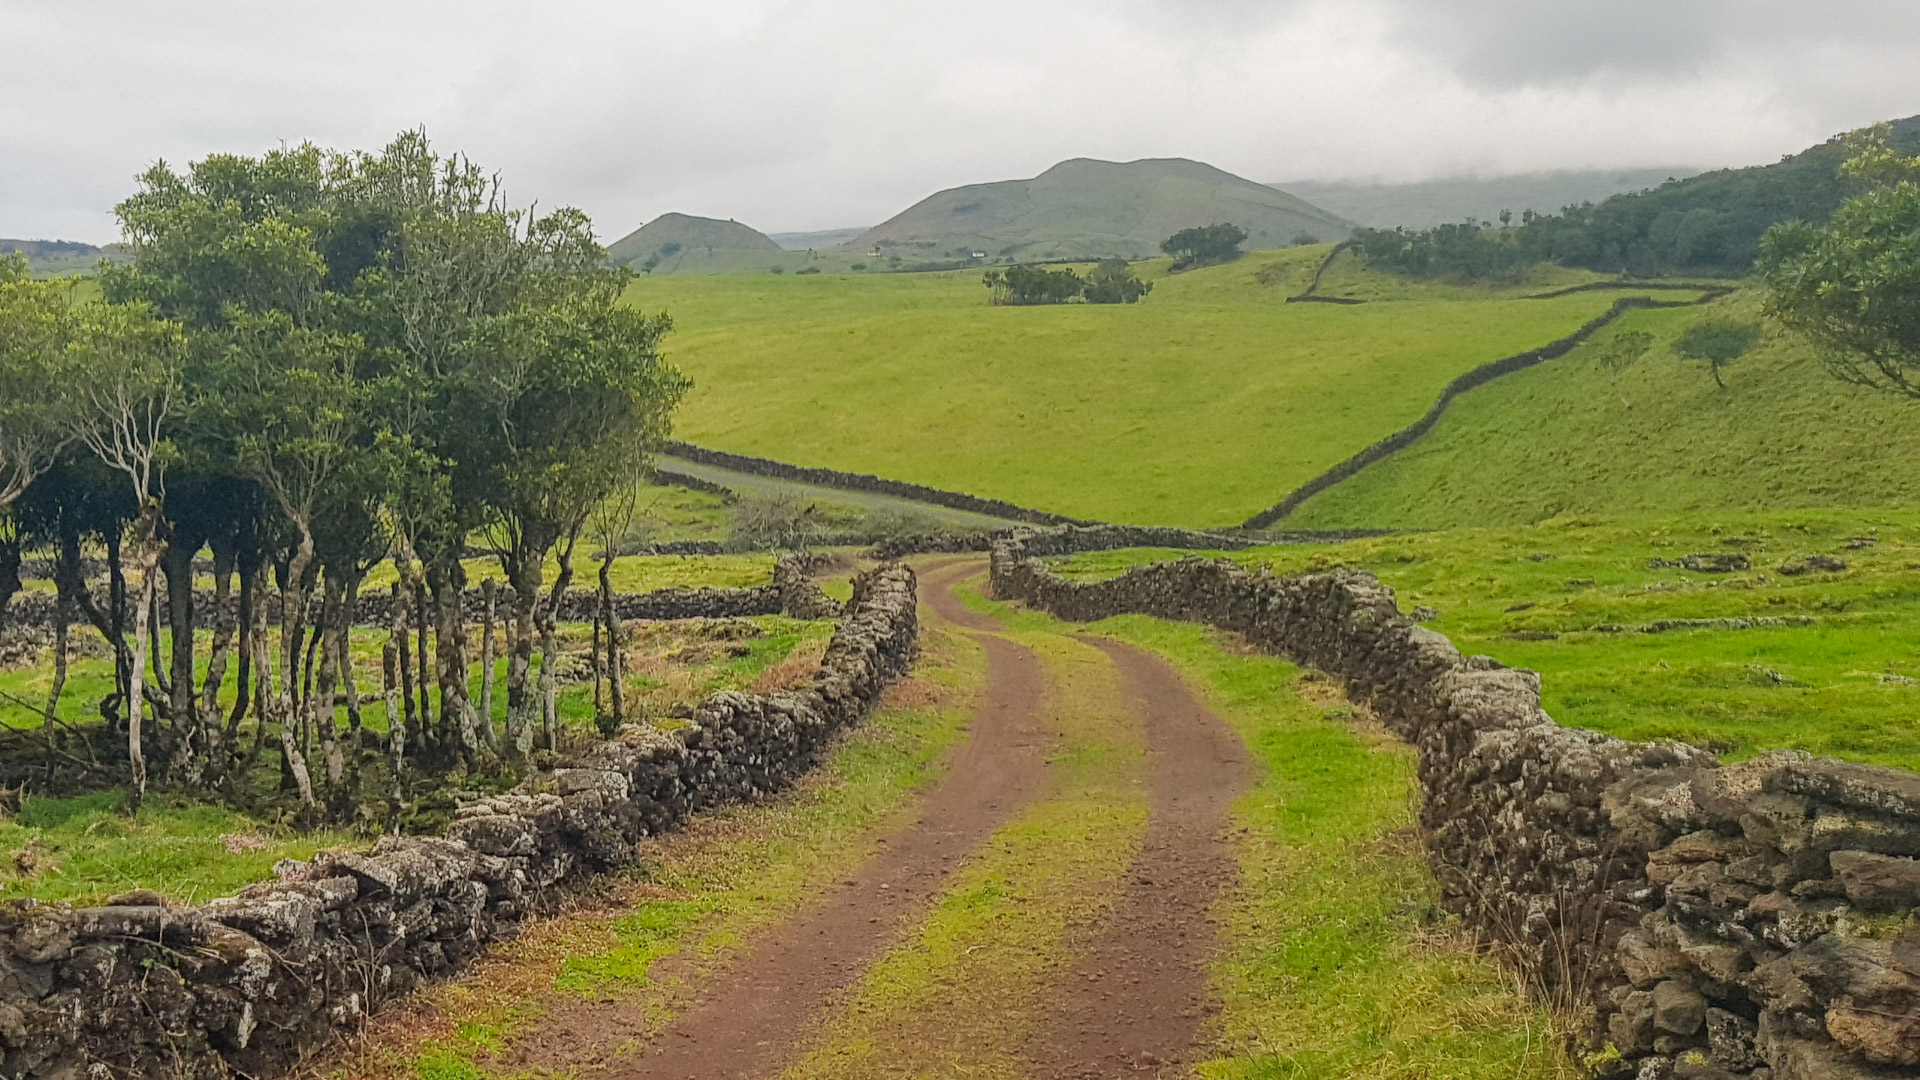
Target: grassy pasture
[(1838, 674), (1197, 407), (1570, 437)]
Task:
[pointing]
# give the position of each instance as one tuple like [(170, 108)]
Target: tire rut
[(749, 1022), (1135, 1002)]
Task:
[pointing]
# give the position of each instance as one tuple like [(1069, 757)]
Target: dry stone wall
[(138, 988), (1709, 921)]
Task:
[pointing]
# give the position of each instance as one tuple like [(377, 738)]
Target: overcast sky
[(807, 114)]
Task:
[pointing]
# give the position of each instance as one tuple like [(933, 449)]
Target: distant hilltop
[(1084, 208), (51, 257), (671, 235)]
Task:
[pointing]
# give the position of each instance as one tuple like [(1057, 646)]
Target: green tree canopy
[(1113, 282), (1852, 285), (1203, 245), (1717, 342)]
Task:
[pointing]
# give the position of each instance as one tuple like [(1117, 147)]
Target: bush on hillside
[(1204, 245), (1026, 285), (1113, 282)]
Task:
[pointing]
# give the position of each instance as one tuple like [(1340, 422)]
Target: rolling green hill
[(671, 234), (1566, 438), (1428, 203), (1197, 407), (1087, 209)]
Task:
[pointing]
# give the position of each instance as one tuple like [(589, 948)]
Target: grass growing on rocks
[(1335, 963), (1199, 406), (629, 955), (1824, 661), (961, 995)]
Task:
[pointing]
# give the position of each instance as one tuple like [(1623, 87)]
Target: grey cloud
[(794, 114)]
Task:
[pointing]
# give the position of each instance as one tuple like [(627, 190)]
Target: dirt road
[(1132, 1002)]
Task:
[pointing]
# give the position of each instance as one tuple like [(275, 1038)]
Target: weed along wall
[(249, 984), (1757, 919)]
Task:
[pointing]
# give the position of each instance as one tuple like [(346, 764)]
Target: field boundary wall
[(1702, 921), (851, 481), (251, 985), (1479, 376)]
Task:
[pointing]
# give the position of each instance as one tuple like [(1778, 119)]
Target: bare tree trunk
[(550, 644), (595, 659), (293, 604), (225, 622), (403, 657), (423, 626), (63, 614), (616, 661), (390, 665), (136, 690), (123, 655), (320, 713), (450, 632), (181, 624), (526, 604), (251, 624), (490, 595), (350, 612)]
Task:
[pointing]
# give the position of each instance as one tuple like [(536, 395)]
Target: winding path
[(1125, 993)]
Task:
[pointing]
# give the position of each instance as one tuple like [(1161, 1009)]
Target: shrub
[(1204, 245), (1113, 282), (1024, 285)]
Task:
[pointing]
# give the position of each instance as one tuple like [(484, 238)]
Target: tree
[(129, 377), (1113, 282), (316, 361), (36, 415), (1852, 286), (1204, 245), (1717, 342), (1621, 352), (36, 326), (1027, 285)]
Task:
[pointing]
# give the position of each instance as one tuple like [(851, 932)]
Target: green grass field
[(1836, 671), (1199, 406), (1567, 437)]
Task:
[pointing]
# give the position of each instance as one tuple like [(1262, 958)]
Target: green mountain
[(1086, 209), (55, 257), (1438, 202), (670, 235)]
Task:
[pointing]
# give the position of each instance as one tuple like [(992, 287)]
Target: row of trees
[(317, 362), (1112, 281), (1715, 223)]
